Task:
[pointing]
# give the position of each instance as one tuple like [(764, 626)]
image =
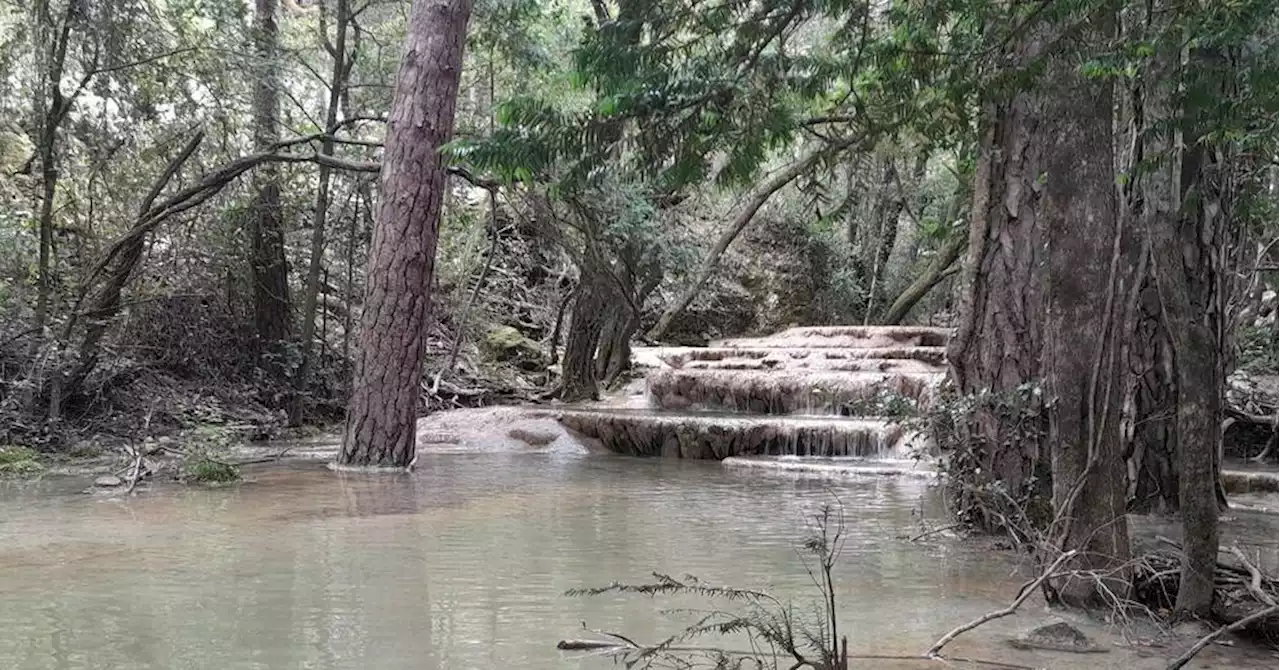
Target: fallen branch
[(935, 531), (1025, 593), (1208, 639), (1255, 578), (136, 472)]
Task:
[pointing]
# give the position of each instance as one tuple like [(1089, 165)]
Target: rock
[(1059, 636), (108, 480), (508, 344), (533, 437)]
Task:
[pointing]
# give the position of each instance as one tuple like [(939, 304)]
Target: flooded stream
[(464, 565)]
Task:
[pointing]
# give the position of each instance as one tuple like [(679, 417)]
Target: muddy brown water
[(464, 565)]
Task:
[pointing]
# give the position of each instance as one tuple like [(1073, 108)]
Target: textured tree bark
[(1189, 274), (384, 398), (269, 269), (1045, 268), (998, 342), (1090, 260), (1152, 458), (587, 321)]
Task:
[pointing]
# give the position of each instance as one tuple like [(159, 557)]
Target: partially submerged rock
[(108, 481), (1058, 636), (498, 430)]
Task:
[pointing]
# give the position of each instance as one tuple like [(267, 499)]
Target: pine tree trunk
[(384, 400), (269, 268)]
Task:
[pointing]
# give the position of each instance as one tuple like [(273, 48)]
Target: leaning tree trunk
[(742, 217), (1039, 329), (269, 269), (388, 372)]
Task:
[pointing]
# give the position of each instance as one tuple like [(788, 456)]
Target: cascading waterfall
[(805, 393)]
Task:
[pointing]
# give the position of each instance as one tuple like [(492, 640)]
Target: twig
[(1013, 607), (136, 472), (1208, 639), (935, 531)]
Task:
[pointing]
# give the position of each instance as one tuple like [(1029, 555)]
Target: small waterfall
[(805, 394)]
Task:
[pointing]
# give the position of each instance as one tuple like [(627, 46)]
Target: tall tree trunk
[(388, 374), (1046, 266), (1090, 261), (50, 107), (1188, 221), (269, 269), (320, 220)]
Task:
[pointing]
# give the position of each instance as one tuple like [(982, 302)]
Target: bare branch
[(1205, 641), (999, 614)]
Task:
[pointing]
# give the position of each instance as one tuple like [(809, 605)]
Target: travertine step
[(717, 436), (788, 391)]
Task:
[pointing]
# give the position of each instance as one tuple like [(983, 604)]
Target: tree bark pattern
[(1045, 256), (384, 400)]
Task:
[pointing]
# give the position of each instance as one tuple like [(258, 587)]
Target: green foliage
[(19, 462), (1258, 349), (884, 403), (209, 471), (204, 448), (956, 424)]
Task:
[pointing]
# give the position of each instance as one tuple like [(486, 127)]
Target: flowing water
[(464, 565)]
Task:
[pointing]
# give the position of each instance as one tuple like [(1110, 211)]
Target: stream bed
[(464, 564)]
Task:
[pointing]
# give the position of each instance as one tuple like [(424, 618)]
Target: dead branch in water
[(1208, 639), (1023, 594)]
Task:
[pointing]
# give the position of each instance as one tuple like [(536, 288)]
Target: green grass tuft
[(19, 462), (207, 471)]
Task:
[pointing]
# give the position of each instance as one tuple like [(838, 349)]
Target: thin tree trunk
[(741, 219), (269, 268), (1187, 268), (888, 206), (337, 84), (388, 375), (50, 109), (941, 267)]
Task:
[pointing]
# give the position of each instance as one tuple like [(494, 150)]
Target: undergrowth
[(19, 462)]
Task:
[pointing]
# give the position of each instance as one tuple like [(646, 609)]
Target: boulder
[(108, 481), (508, 345), (534, 437), (1058, 636)]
